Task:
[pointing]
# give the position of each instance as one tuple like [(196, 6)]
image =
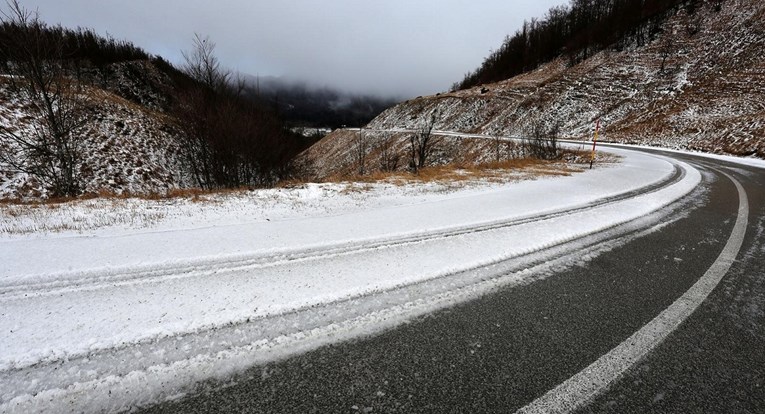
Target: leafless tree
[(422, 143), (389, 157), (227, 140), (665, 49), (51, 147), (202, 64), (190, 111), (360, 152), (496, 142), (203, 113), (542, 142)]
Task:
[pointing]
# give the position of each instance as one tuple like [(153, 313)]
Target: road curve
[(581, 388), (509, 349)]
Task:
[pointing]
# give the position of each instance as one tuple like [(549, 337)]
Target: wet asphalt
[(502, 351)]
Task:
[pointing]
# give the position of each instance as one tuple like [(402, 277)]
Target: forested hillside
[(578, 31)]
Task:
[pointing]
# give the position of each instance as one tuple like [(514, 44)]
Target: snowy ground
[(104, 316)]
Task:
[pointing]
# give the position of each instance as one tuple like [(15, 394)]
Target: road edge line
[(581, 388)]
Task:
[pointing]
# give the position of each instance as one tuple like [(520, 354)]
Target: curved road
[(670, 319)]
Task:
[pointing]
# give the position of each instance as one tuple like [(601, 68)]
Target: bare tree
[(191, 112), (202, 112), (360, 151), (227, 140), (496, 141), (50, 148), (422, 143), (202, 64), (665, 49), (389, 157), (204, 116), (542, 143)]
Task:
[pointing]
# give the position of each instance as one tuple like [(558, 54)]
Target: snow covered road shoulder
[(113, 319)]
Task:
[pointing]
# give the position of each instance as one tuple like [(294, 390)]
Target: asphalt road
[(507, 349)]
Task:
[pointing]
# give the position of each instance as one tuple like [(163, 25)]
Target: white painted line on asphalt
[(596, 378)]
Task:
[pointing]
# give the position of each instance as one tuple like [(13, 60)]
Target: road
[(525, 346)]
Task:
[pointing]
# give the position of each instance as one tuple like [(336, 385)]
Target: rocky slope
[(700, 85)]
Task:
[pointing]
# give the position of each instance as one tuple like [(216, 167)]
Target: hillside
[(130, 146), (699, 85), (82, 115)]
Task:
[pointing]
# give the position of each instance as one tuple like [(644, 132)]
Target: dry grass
[(106, 209), (41, 202), (456, 173)]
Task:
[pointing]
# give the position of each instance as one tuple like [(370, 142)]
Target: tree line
[(576, 31), (83, 46)]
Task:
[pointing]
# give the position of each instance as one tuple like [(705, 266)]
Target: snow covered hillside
[(130, 144), (700, 84)]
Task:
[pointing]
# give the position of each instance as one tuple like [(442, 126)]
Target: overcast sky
[(389, 47)]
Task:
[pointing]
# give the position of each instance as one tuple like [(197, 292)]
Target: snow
[(112, 316), (751, 162)]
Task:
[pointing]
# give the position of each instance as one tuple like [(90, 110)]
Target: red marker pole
[(594, 141)]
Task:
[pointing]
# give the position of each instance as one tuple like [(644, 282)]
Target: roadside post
[(594, 141)]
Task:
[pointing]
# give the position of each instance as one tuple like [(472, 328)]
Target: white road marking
[(596, 378)]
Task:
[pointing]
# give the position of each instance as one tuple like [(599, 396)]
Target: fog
[(386, 47)]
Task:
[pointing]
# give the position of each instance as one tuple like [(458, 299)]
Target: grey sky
[(391, 47)]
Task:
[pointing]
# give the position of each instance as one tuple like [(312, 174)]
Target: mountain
[(697, 83)]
